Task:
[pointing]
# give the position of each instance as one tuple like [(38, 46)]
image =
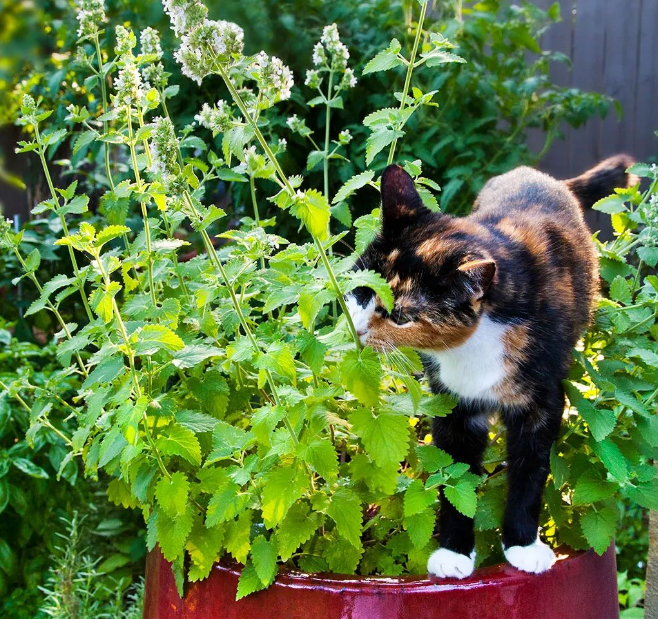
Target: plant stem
[(284, 179), (326, 136), (52, 308), (131, 361), (145, 218), (62, 219), (108, 170), (254, 202), (407, 80)]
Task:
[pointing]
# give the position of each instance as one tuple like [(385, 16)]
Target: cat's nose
[(361, 333)]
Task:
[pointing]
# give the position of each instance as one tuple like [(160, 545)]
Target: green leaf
[(462, 496), (361, 372), (313, 210), (109, 233), (153, 338), (432, 458), (179, 441), (620, 290), (649, 255), (612, 459), (310, 304), (173, 532), (226, 440), (172, 494), (101, 301), (644, 494), (345, 511), (378, 140), (29, 468), (33, 260), (194, 354), (297, 527), (226, 503), (611, 205), (238, 536), (367, 227), (417, 498), (385, 60), (598, 527), (83, 139), (369, 279), (420, 527), (279, 359), (354, 183), (314, 157), (385, 435), (282, 486), (322, 456), (591, 487), (263, 556), (342, 557), (249, 581), (204, 546)]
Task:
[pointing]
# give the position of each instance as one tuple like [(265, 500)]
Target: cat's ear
[(478, 275), (401, 203)]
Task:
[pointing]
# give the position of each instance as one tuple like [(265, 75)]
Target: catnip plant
[(227, 395)]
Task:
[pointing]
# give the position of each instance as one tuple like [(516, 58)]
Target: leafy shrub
[(226, 394)]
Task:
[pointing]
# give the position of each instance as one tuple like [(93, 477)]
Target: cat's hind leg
[(530, 435)]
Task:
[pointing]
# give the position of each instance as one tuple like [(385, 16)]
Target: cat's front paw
[(445, 563), (535, 558)]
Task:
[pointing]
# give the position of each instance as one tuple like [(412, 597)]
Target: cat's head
[(438, 273)]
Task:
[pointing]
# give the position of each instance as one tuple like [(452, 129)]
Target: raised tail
[(601, 180)]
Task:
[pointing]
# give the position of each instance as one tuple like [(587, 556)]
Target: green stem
[(326, 136), (133, 372), (53, 193), (252, 187), (410, 69), (108, 170), (51, 307), (145, 218), (286, 183)]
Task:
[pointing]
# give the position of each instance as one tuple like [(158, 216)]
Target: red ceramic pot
[(579, 586)]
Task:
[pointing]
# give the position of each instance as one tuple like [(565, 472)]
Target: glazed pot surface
[(579, 586)]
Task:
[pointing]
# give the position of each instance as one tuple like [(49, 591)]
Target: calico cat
[(494, 302)]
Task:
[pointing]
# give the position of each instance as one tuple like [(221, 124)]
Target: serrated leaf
[(420, 527), (263, 556), (313, 210), (591, 487), (361, 372), (204, 546), (345, 511), (612, 459), (282, 486), (354, 183), (385, 60), (378, 140), (83, 139), (384, 435), (310, 304), (296, 528), (598, 527), (249, 581), (462, 496), (172, 494), (432, 458), (153, 338), (417, 498), (179, 441), (173, 533), (227, 439), (368, 279), (322, 456)]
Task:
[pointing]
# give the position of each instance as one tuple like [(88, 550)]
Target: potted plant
[(228, 396)]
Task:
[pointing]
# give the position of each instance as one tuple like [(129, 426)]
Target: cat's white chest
[(474, 369)]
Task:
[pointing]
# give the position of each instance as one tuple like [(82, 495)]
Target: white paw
[(535, 558), (445, 563)]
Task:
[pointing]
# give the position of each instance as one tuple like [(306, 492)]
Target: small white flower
[(283, 143), (217, 118), (348, 81), (319, 55), (209, 43), (165, 147), (274, 79), (313, 78), (126, 40), (185, 15), (150, 42), (153, 75), (345, 137), (91, 16), (128, 85)]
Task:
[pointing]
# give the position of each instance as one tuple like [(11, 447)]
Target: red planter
[(579, 586)]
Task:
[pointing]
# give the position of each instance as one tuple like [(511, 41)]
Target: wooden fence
[(613, 47)]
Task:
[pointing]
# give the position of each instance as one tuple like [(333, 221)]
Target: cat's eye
[(399, 317)]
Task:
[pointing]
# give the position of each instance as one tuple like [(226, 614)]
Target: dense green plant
[(631, 596), (228, 395)]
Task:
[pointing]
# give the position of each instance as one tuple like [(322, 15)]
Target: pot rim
[(491, 576)]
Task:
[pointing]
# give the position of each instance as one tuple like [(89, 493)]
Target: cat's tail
[(602, 180)]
